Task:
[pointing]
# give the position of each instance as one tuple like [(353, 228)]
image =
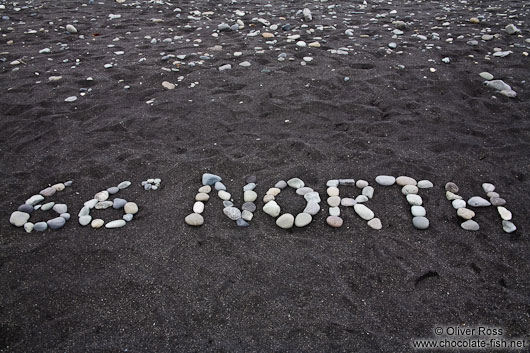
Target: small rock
[(35, 199), (497, 201), (101, 196), (375, 223), (409, 189), (118, 203), (130, 208), (70, 99), (232, 212), (405, 180), (56, 223), (425, 184), (97, 223), (250, 196), (312, 208), (511, 29), (504, 213), (334, 211), (28, 227), (307, 14), (474, 20), (205, 189), (113, 190), (194, 219), (414, 200), (508, 227), (302, 219), (47, 206), (361, 184), (348, 202), (451, 187), (127, 217), (332, 183), (249, 206), (247, 215), (273, 209), (84, 220), (363, 212), (48, 192), (368, 192), (459, 204), (18, 218), (333, 201), (477, 201), (418, 211), (281, 185), (486, 76), (465, 213), (334, 221), (124, 185), (470, 225), (385, 180), (115, 224), (295, 183), (40, 226), (285, 221), (71, 29), (225, 67), (103, 205), (223, 195), (242, 223), (450, 196), (420, 222), (25, 208), (487, 187), (168, 85), (201, 196), (210, 179), (60, 208)]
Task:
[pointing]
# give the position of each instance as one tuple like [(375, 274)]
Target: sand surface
[(158, 285)]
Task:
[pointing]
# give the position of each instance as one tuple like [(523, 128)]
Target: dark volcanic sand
[(158, 285)]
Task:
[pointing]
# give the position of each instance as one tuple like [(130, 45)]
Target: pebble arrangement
[(451, 193), (101, 201), (20, 218), (334, 201), (287, 220), (242, 216), (151, 184), (410, 188)]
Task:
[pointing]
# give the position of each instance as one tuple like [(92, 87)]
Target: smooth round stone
[(451, 196), (131, 208), (84, 220), (414, 200), (272, 208), (56, 223), (508, 227), (219, 186), (295, 183), (363, 212), (409, 189), (91, 203), (504, 213), (312, 208), (210, 179), (28, 227), (470, 225), (66, 183), (84, 211), (465, 213), (35, 199), (497, 201), (361, 199), (70, 28), (486, 75), (405, 180), (425, 184), (273, 191), (59, 186), (113, 190), (347, 182), (194, 219), (368, 191), (304, 190), (477, 201), (348, 202), (40, 226), (302, 219), (227, 203), (451, 187), (48, 191), (116, 224), (60, 208), (18, 218), (334, 221), (242, 223), (487, 187), (312, 196), (47, 206), (251, 179), (333, 191), (282, 184), (223, 195), (268, 198), (25, 208), (124, 185), (418, 211), (334, 211), (375, 223), (492, 194), (459, 204), (103, 205), (101, 196), (361, 183), (249, 187), (249, 206), (205, 189), (118, 203), (332, 183), (127, 217), (198, 207), (385, 180), (97, 223), (285, 221), (65, 215), (247, 215), (232, 212), (201, 196), (333, 201), (420, 222)]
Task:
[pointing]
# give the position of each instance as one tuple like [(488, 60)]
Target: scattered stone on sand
[(477, 201), (363, 212), (130, 208), (285, 221), (302, 219), (232, 212), (334, 221), (118, 223), (512, 29), (84, 220), (414, 200), (470, 225), (56, 223), (508, 227), (168, 85), (295, 183), (420, 222), (272, 208), (486, 75), (465, 213), (194, 219), (451, 187), (375, 223), (19, 218), (385, 180), (97, 223), (71, 29), (504, 213)]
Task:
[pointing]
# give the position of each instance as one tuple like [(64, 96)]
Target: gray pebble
[(60, 208), (210, 179), (47, 206), (282, 184), (304, 190), (242, 223), (451, 187), (249, 206), (115, 224), (124, 185), (312, 196), (251, 179), (68, 183), (65, 215), (508, 227), (420, 222), (312, 208), (56, 223), (85, 220), (470, 225), (332, 183), (418, 211), (497, 201), (40, 226), (148, 186), (35, 199), (219, 186), (232, 212), (385, 180), (128, 217), (25, 208), (348, 202), (347, 182), (118, 203), (228, 203), (113, 190), (249, 187), (477, 201)]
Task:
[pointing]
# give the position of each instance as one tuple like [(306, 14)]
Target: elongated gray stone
[(47, 206), (40, 226), (363, 212), (295, 183), (35, 199), (385, 180), (312, 208), (116, 224), (124, 185), (56, 223), (85, 220), (113, 190), (477, 201), (508, 227), (25, 208), (470, 225)]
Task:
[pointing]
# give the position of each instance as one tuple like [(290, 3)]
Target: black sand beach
[(159, 285)]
